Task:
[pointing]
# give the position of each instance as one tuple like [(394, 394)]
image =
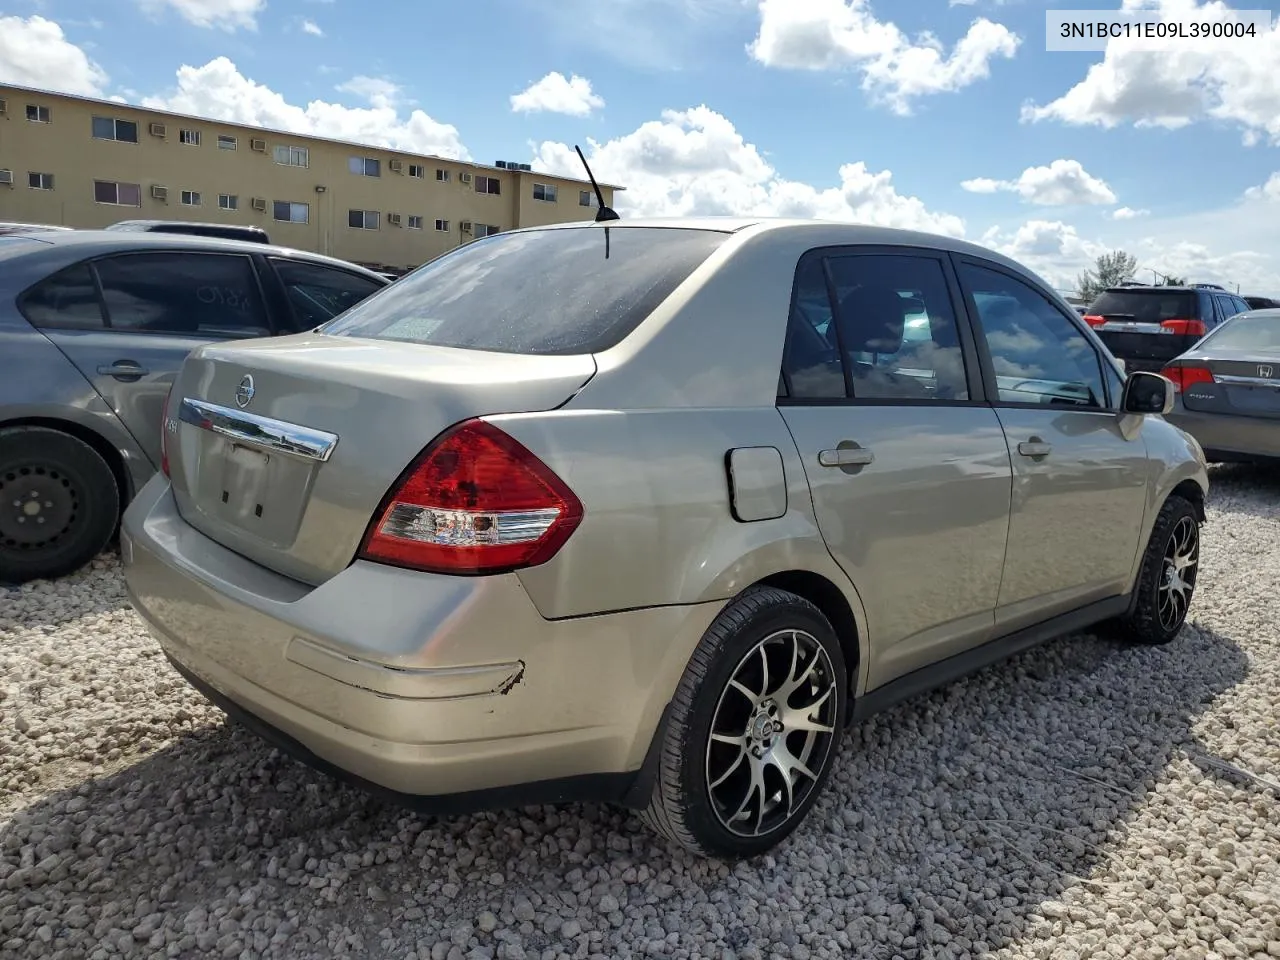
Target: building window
[(228, 201), (442, 226), (226, 143), (40, 181), (442, 175), (365, 166), (363, 219), (484, 230), (120, 194), (109, 128), (38, 114), (190, 198), (586, 198), (417, 170), (490, 185), (189, 137), (545, 192), (415, 223), (293, 157), (291, 212)]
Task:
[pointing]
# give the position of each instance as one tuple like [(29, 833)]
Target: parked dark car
[(1146, 327), (1228, 388), (1262, 303), (93, 327), (227, 231)]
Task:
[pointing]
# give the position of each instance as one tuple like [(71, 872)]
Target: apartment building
[(86, 163)]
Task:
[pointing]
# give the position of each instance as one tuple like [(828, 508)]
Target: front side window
[(544, 292), (1039, 356), (317, 294), (190, 294), (68, 300), (892, 330)]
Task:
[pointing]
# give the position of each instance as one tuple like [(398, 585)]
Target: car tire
[(1167, 580), (723, 741), (59, 503)]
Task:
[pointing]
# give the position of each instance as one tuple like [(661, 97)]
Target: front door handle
[(123, 370), (1035, 448), (845, 457)]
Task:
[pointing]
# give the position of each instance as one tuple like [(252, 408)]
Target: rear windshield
[(563, 291), (1246, 332), (1146, 306)]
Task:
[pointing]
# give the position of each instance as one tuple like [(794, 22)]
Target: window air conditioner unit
[(396, 166), (159, 193), (4, 107), (157, 130), (393, 219), (260, 146), (465, 225), (464, 177), (258, 203), (6, 177)]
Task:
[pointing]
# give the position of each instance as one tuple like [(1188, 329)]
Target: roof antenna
[(604, 213)]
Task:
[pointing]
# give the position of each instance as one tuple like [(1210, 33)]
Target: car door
[(316, 293), (908, 467), (1079, 479), (154, 308)]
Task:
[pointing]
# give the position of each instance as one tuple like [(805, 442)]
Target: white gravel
[(1085, 800)]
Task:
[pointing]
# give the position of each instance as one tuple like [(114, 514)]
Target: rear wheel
[(755, 726), (58, 503), (1167, 580)]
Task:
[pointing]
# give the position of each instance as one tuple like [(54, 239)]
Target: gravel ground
[(1085, 800)]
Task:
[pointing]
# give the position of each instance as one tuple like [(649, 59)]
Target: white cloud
[(1236, 81), (224, 14), (219, 91), (555, 94), (695, 162), (1128, 213), (1268, 192), (1060, 184), (839, 34), (313, 28), (1051, 248), (36, 53)]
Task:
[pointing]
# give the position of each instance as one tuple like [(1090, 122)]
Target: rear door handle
[(123, 369), (845, 457), (1035, 448)]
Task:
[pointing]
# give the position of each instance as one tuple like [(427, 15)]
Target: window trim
[(1110, 405), (555, 193), (364, 219), (48, 113), (115, 129), (292, 204), (974, 380), (39, 184), (190, 137), (117, 184), (235, 202)]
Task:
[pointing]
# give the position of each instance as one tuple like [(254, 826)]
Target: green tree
[(1173, 280), (1109, 270)]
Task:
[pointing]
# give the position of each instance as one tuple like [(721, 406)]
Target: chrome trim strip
[(1247, 381), (257, 431)]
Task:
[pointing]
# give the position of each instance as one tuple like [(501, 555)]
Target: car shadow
[(97, 587), (949, 823), (1251, 489)]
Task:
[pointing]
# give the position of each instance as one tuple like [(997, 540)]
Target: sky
[(943, 115)]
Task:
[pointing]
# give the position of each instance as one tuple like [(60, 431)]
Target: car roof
[(188, 223), (89, 243)]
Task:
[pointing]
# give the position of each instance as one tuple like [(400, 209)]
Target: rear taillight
[(1189, 328), (164, 433), (474, 501), (1093, 320), (1185, 377)]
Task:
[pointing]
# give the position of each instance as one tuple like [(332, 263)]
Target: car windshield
[(1146, 306), (561, 291), (1245, 332)]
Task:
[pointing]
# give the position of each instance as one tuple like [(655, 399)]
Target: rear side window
[(1248, 333), (563, 291), (318, 294), (189, 294), (1146, 306), (68, 300)]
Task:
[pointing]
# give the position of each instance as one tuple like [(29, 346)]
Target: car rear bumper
[(450, 690), (1229, 437)]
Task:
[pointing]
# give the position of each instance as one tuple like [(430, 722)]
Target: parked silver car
[(648, 512), (93, 327), (1229, 389)]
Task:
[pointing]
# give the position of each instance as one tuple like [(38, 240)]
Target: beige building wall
[(48, 144)]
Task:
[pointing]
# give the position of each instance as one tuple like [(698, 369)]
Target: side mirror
[(1147, 393)]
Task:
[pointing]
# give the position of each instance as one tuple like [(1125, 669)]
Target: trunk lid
[(290, 473), (1143, 346), (1244, 385)]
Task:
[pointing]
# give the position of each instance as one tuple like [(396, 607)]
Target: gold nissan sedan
[(648, 512)]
